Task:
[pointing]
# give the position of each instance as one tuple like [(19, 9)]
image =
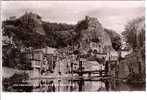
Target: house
[(124, 53), (12, 18), (123, 69), (111, 63), (37, 58), (96, 47), (44, 59), (113, 55), (92, 66), (101, 55)]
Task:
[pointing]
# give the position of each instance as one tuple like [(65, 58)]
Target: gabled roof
[(46, 50)]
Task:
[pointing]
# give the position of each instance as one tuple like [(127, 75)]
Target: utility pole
[(58, 59), (80, 68)]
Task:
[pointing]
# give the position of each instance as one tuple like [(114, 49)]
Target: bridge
[(101, 73), (80, 71)]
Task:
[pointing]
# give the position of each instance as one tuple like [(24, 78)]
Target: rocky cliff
[(95, 32), (32, 22), (32, 31)]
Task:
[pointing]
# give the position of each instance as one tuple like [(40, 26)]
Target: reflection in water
[(85, 85), (66, 85), (62, 85), (81, 84)]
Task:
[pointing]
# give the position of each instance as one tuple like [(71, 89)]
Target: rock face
[(94, 33), (32, 31)]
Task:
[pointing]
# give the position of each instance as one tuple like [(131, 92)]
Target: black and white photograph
[(73, 46)]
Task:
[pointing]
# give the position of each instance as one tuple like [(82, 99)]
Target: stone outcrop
[(94, 33), (32, 22)]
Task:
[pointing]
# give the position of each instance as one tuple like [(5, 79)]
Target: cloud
[(116, 17), (112, 14)]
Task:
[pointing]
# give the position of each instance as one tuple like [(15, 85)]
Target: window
[(37, 56), (93, 45), (37, 63)]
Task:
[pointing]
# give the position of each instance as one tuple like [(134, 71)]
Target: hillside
[(31, 31)]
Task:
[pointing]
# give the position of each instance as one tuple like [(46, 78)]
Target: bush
[(15, 79), (135, 78)]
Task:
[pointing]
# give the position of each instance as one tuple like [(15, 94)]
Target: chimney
[(87, 17)]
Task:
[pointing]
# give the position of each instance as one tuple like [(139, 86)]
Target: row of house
[(42, 60), (45, 60)]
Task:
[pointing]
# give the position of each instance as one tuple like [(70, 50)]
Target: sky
[(111, 14)]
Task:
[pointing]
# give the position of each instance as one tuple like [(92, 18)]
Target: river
[(70, 84), (65, 85)]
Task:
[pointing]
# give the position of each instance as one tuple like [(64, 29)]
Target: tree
[(116, 43), (115, 39), (134, 33), (81, 25)]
